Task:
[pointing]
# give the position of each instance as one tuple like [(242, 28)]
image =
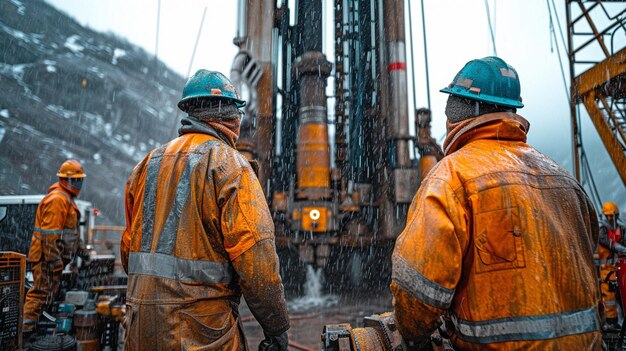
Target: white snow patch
[(51, 68), (126, 137), (60, 110), (72, 44), (17, 72), (2, 131), (21, 9), (27, 37), (108, 129), (4, 113), (97, 158), (97, 71), (117, 53)]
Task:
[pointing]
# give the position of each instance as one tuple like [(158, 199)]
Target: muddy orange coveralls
[(56, 222), (500, 239), (199, 234)]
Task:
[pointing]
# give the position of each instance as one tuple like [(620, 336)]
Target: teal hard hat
[(489, 80), (207, 84)]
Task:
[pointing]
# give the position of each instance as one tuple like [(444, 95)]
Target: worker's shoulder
[(488, 163), (56, 197), (228, 159)]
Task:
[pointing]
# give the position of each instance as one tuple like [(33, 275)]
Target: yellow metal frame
[(594, 86)]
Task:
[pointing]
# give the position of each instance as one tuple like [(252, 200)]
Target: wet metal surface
[(306, 325)]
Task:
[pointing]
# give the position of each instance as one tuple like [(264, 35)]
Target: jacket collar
[(192, 125), (493, 126), (57, 187)]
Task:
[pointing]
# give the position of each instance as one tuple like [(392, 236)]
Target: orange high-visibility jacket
[(56, 219), (501, 240), (198, 234), (605, 264)]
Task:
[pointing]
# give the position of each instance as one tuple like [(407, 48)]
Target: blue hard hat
[(489, 80), (207, 84)]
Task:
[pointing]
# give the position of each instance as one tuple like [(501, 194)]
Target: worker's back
[(528, 261), (189, 222)]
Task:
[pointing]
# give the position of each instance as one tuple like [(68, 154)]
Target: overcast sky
[(457, 31)]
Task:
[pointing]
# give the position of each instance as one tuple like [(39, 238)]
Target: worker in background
[(199, 234), (55, 240), (499, 237), (612, 241)]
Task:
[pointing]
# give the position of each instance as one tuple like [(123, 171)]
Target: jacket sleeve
[(125, 240), (53, 214), (248, 233), (427, 260)]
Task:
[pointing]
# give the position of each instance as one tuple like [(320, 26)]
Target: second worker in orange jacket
[(199, 234)]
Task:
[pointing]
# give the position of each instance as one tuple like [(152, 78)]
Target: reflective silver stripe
[(170, 267), (48, 231), (528, 328), (64, 195), (610, 303), (419, 286), (149, 198), (167, 237)]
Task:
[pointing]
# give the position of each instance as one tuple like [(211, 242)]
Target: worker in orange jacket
[(199, 234), (55, 240), (499, 238), (612, 241)]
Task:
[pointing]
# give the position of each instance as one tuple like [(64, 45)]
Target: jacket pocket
[(217, 331), (498, 240)]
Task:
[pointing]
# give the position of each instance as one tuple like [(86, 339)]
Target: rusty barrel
[(87, 330)]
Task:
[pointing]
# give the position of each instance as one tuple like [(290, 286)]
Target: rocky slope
[(70, 92)]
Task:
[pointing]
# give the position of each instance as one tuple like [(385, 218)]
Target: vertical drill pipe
[(340, 108), (394, 23), (425, 57), (572, 101), (260, 20), (310, 23), (284, 169), (313, 151)]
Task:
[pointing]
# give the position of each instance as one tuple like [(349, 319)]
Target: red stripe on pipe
[(396, 66)]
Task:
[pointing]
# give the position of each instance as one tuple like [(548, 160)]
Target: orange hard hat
[(610, 208), (71, 169)]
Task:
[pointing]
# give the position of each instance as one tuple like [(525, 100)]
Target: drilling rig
[(337, 171), (597, 57)]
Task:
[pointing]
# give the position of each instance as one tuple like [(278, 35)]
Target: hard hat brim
[(81, 175), (183, 104), (462, 92)]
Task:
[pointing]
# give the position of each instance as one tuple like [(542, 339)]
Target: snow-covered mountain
[(67, 91)]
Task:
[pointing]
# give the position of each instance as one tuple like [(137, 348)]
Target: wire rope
[(493, 39), (426, 55)]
